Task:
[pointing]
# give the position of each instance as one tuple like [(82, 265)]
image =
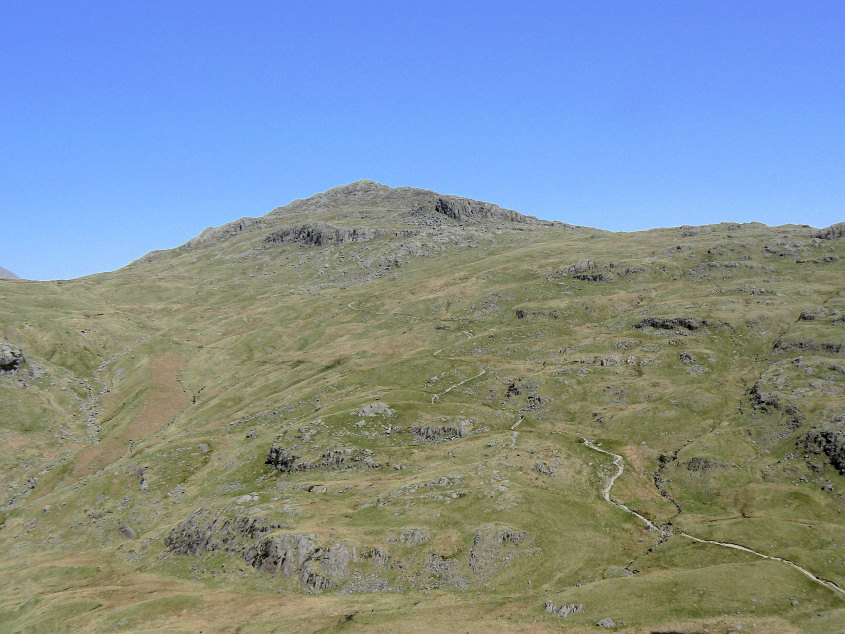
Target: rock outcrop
[(283, 461), (832, 232), (206, 532), (427, 434), (671, 323), (466, 209), (375, 409), (11, 358), (489, 549), (829, 443), (786, 345), (565, 610), (214, 235), (320, 234), (288, 554), (294, 555)]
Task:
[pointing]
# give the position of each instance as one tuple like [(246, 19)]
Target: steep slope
[(374, 401), (8, 275)]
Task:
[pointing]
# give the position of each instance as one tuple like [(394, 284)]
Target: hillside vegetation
[(389, 409)]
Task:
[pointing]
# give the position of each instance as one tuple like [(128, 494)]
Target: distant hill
[(7, 275)]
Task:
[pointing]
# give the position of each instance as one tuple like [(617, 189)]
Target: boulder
[(686, 357), (11, 358)]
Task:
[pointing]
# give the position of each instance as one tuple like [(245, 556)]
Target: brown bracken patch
[(165, 400)]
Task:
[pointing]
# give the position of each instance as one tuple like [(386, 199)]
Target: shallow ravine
[(619, 462)]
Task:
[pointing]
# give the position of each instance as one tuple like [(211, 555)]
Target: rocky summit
[(390, 409)]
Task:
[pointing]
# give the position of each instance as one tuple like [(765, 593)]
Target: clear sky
[(131, 126)]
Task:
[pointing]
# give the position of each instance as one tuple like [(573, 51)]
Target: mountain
[(386, 408), (7, 275)]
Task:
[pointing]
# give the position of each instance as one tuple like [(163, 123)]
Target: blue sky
[(131, 126)]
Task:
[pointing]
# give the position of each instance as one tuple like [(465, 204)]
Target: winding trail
[(666, 532)]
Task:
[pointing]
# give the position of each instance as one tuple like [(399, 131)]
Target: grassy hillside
[(367, 410)]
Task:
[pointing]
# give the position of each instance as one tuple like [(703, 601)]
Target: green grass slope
[(425, 368)]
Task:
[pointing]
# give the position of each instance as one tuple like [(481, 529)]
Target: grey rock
[(375, 409), (686, 357), (786, 345), (413, 536), (377, 555), (11, 358), (429, 434), (565, 610), (673, 323), (545, 469), (593, 277), (829, 443), (281, 459), (205, 532), (466, 209), (605, 623), (128, 531), (822, 313), (489, 549), (832, 232), (701, 463), (342, 459), (581, 266), (336, 560), (294, 555), (321, 234), (371, 583), (215, 235)]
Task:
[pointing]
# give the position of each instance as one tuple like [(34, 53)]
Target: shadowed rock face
[(831, 444), (290, 554), (466, 209), (317, 235), (689, 323)]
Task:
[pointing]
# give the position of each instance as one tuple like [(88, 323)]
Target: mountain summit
[(370, 204), (401, 222)]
